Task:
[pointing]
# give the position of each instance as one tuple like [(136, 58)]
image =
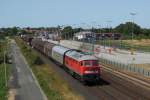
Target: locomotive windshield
[(89, 63)]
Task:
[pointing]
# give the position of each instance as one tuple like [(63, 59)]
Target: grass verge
[(3, 69), (3, 87), (52, 84)]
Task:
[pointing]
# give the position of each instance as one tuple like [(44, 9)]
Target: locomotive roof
[(80, 56)]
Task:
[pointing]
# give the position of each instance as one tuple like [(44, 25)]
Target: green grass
[(3, 87), (124, 45), (52, 84)]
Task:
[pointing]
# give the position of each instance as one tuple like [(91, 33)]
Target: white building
[(83, 35)]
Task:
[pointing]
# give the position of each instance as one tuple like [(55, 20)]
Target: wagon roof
[(79, 56), (60, 49), (49, 45)]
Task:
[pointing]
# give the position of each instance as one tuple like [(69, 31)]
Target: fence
[(126, 67)]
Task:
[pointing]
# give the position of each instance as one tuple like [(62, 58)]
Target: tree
[(14, 31), (10, 31), (76, 30), (128, 28), (145, 31), (67, 32)]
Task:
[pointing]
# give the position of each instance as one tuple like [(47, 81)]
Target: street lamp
[(74, 27), (132, 14), (62, 27), (109, 30), (83, 25), (93, 36), (109, 24), (82, 35)]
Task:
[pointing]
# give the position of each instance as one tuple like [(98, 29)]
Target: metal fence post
[(148, 73), (143, 72)]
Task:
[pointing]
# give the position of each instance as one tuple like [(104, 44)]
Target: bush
[(38, 61), (1, 57), (32, 57)]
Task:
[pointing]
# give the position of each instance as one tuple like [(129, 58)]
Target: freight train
[(79, 64)]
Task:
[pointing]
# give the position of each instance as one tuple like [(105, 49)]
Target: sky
[(84, 13)]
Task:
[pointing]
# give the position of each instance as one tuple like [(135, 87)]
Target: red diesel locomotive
[(84, 66)]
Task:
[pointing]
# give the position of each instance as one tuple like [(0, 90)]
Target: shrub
[(38, 61)]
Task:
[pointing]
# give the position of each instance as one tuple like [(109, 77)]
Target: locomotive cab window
[(87, 63)]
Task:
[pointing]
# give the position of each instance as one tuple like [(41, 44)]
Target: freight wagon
[(27, 39)]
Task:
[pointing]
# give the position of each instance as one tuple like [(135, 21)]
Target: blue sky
[(37, 13)]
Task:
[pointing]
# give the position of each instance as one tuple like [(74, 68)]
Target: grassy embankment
[(53, 86), (140, 45), (3, 67)]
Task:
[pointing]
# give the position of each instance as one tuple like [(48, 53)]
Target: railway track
[(145, 82), (127, 87), (111, 86)]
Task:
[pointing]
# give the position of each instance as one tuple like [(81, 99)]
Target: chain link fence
[(125, 67)]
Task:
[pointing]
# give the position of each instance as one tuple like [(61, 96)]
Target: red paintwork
[(76, 67)]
